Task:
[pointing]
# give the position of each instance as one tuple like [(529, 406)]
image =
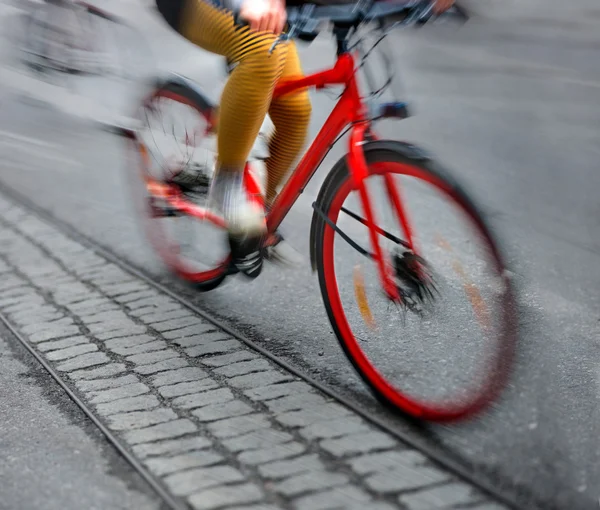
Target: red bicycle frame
[(349, 109)]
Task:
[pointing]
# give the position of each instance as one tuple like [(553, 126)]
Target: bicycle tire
[(328, 199), (204, 281)]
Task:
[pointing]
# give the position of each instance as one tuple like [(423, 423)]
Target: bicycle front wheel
[(443, 350)]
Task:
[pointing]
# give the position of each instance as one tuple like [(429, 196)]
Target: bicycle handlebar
[(307, 17)]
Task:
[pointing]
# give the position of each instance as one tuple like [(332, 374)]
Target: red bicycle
[(419, 311)]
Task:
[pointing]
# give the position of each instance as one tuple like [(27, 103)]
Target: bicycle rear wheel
[(421, 355), (191, 247)]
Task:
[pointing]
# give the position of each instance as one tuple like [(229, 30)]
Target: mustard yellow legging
[(247, 96)]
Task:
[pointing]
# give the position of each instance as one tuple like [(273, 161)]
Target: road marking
[(25, 139)]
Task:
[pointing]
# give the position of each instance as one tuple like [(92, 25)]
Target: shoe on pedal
[(245, 219)]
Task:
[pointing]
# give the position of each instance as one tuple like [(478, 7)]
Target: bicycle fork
[(359, 172)]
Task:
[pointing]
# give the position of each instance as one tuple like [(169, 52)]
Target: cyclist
[(245, 101)]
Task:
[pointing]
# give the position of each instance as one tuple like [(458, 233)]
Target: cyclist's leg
[(291, 116), (244, 104)]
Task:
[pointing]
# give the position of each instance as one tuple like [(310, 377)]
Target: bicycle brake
[(414, 280)]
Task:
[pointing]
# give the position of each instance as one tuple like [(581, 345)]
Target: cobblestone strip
[(223, 427)]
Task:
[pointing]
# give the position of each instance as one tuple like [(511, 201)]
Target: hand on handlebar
[(264, 15)]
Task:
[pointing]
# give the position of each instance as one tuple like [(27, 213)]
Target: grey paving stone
[(140, 419), (126, 405), (25, 318), (54, 345), (157, 345), (42, 326), (227, 359), (64, 299), (129, 341), (376, 462), (205, 338), (178, 376), (159, 303), (334, 428), (243, 368), (259, 379), (186, 388), (92, 305), (271, 453), (10, 281), (70, 293), (96, 373), (162, 466), (161, 366), (203, 399), (312, 481), (145, 311), (312, 415), (346, 497), (106, 318), (402, 479), (152, 357), (218, 347), (439, 497), (221, 497), (260, 438), (29, 304), (102, 384), (109, 274), (130, 390), (28, 319), (23, 298), (171, 446), (32, 311), (188, 482), (278, 390), (152, 318), (134, 296), (182, 322), (288, 467), (115, 329), (54, 333), (122, 331), (84, 308), (295, 402), (18, 290), (239, 425), (221, 410), (70, 352), (169, 430), (49, 282), (361, 442), (84, 361), (188, 331), (120, 289)]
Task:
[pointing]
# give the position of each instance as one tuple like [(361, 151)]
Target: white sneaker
[(245, 219)]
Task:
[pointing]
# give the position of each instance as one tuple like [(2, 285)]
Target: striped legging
[(247, 96)]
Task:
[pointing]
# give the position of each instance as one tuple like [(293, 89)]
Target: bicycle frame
[(349, 110)]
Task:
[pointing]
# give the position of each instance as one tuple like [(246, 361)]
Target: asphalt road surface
[(511, 104)]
